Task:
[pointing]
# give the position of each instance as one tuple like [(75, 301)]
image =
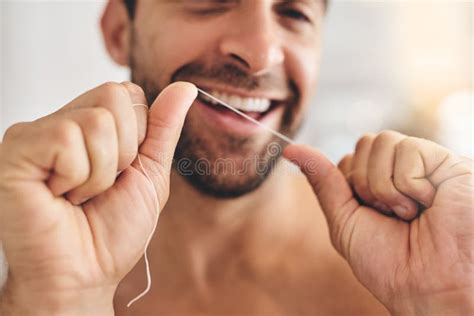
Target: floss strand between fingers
[(251, 119)]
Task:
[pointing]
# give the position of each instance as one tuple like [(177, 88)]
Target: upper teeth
[(244, 104)]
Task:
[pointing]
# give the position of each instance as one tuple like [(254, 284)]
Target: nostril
[(240, 60)]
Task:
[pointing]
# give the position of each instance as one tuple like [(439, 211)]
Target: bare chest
[(233, 299), (251, 296)]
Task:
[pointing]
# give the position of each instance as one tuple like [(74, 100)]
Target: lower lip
[(230, 121)]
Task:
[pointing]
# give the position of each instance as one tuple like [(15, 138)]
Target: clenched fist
[(400, 211), (71, 228)]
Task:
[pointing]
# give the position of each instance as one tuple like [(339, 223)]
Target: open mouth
[(256, 108)]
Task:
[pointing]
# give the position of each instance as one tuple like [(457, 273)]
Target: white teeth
[(244, 104), (208, 99)]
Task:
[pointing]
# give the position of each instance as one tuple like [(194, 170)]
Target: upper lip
[(273, 96)]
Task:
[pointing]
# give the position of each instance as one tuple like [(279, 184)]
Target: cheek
[(164, 48), (303, 69), (302, 66)]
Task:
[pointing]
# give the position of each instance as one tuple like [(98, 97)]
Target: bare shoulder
[(321, 270)]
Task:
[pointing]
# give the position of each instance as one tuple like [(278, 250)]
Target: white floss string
[(157, 201), (251, 119)]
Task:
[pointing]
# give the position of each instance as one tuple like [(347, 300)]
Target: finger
[(100, 136), (345, 165), (71, 166), (329, 184), (359, 177), (419, 168), (165, 122), (380, 175), (116, 98), (140, 107), (30, 149)]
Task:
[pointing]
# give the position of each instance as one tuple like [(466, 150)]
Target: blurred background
[(404, 65)]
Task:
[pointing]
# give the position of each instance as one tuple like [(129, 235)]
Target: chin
[(226, 166)]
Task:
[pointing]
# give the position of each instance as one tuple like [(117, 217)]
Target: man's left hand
[(400, 211)]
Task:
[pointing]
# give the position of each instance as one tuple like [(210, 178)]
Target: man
[(398, 210)]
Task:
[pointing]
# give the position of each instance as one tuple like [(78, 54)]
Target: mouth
[(257, 107)]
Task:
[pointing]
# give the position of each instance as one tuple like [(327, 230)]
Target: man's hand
[(415, 264), (71, 228)]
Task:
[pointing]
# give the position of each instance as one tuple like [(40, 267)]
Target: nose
[(252, 42)]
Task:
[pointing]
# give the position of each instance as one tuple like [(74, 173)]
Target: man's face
[(260, 56)]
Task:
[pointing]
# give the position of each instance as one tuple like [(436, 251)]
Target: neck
[(189, 210), (212, 212), (199, 231)]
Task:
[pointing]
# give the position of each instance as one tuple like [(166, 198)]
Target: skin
[(310, 249)]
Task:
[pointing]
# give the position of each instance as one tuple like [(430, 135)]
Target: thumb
[(328, 182), (165, 122)]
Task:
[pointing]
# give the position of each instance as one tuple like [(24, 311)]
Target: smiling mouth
[(254, 107)]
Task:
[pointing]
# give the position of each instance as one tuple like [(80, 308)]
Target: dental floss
[(251, 119), (147, 263)]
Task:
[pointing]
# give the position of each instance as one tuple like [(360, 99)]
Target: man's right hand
[(71, 229)]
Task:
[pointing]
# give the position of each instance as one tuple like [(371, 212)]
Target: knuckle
[(66, 133), (14, 131), (133, 88), (407, 144), (111, 92), (385, 136), (99, 119), (388, 134), (364, 140)]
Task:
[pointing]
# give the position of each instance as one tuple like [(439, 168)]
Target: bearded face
[(253, 55)]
